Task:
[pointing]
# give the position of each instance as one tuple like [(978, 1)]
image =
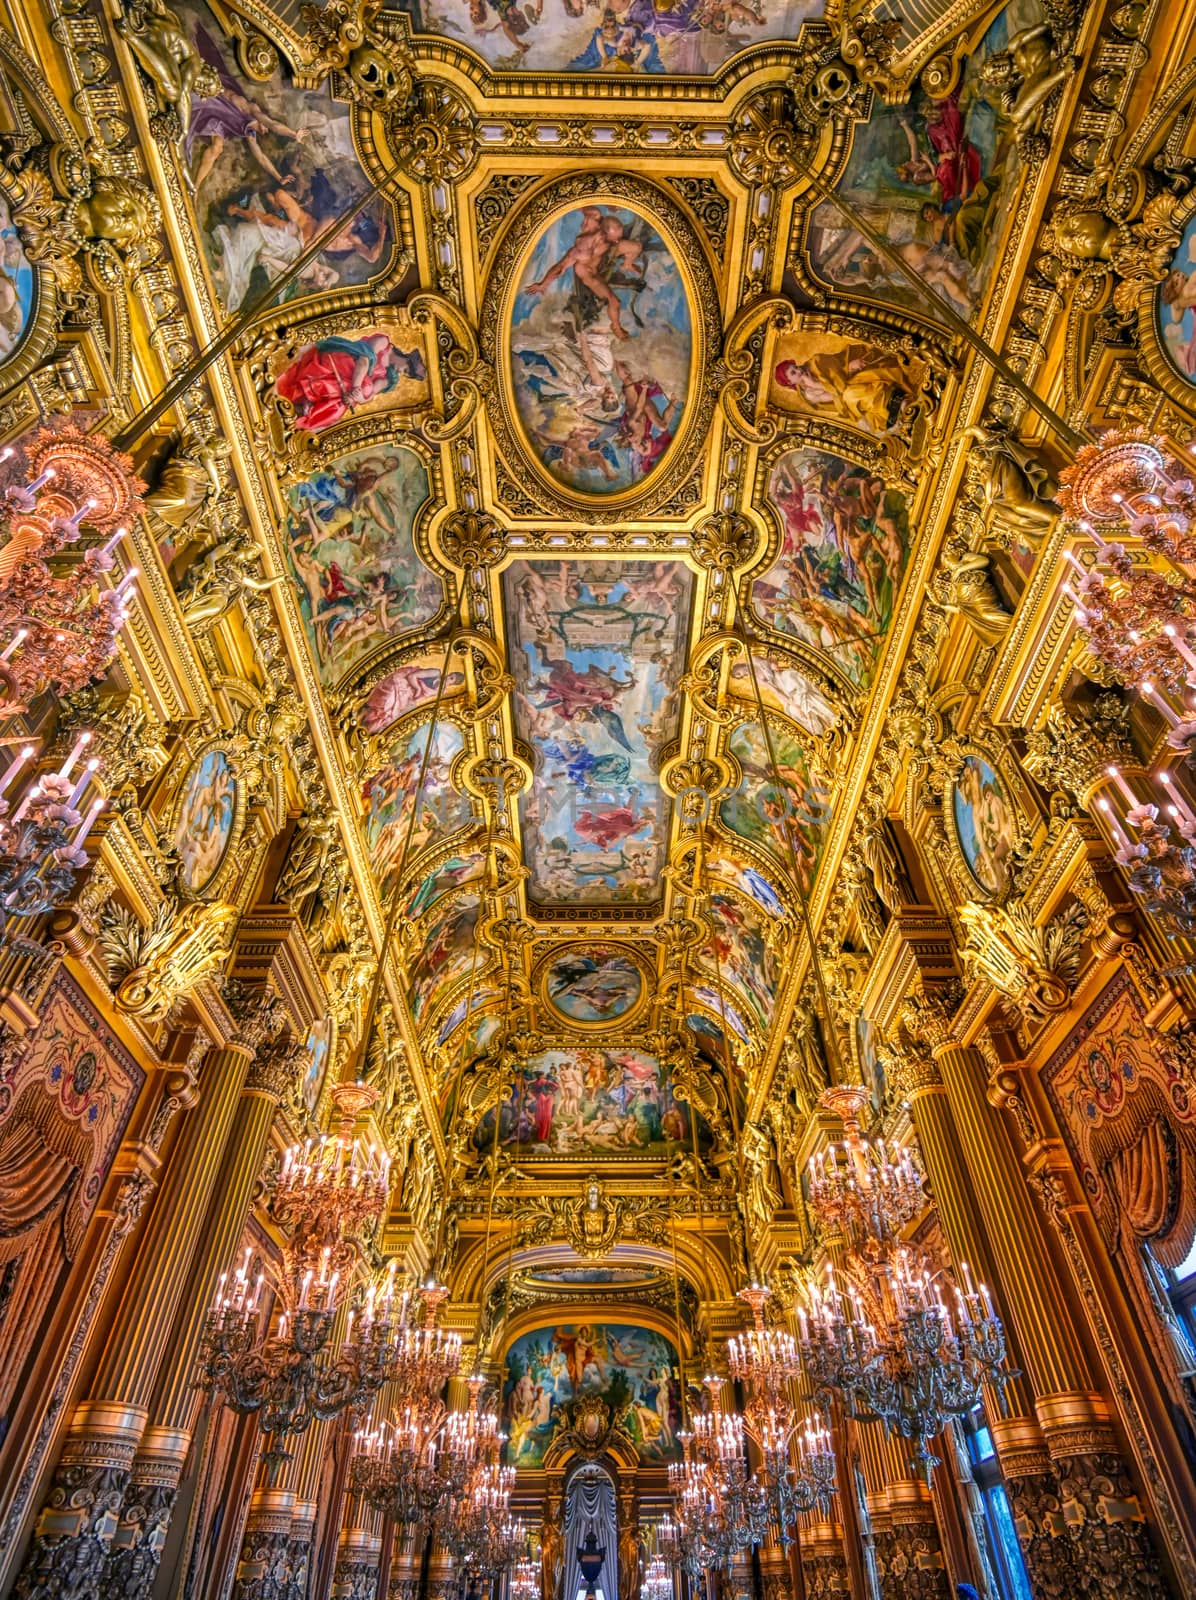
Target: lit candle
[(18, 638), (1181, 804), (1118, 834), (1118, 778), (89, 821), (1180, 644), (77, 749), (85, 777), (30, 795), (128, 578), (114, 541), (22, 757), (41, 481), (1156, 699)]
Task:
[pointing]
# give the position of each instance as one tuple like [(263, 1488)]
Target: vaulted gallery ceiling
[(594, 450)]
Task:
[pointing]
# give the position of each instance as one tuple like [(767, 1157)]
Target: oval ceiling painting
[(601, 349), (593, 984)]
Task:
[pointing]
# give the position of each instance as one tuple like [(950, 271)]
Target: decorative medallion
[(600, 313), (984, 821), (319, 1046), (593, 985), (207, 815)]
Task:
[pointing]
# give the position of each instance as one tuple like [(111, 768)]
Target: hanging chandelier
[(525, 1581), (893, 1347), (327, 1192), (41, 842), (717, 1499), (58, 624), (859, 1188), (766, 1361), (658, 1583)]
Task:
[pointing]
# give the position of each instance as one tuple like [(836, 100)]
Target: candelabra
[(40, 850), (525, 1581), (767, 1362), (894, 1348), (397, 1469), (858, 1188), (59, 627), (715, 1493), (326, 1193), (424, 1356), (1160, 864), (657, 1584)]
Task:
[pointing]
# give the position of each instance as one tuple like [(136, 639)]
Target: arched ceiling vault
[(597, 465)]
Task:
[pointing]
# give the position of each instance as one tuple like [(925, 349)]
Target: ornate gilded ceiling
[(595, 463)]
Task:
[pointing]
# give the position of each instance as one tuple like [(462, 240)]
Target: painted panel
[(985, 823), (738, 953), (349, 541), (17, 286), (576, 1103), (710, 997), (749, 882), (319, 1043), (204, 825), (597, 649), (451, 873), (758, 807), (601, 348), (783, 688), (76, 1086), (1177, 306), (269, 166), (593, 983), (627, 36), (388, 793), (412, 684), (634, 1370), (446, 955), (482, 1032), (931, 176), (351, 375), (843, 380), (844, 543)]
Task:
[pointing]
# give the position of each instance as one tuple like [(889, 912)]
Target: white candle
[(1156, 699), (18, 638), (1180, 644), (84, 778), (1181, 804), (23, 756), (77, 749), (30, 796), (40, 482), (1114, 825), (1116, 774), (128, 578)]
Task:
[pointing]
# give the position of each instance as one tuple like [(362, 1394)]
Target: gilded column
[(404, 1567), (358, 1551), (264, 1565), (1098, 1503), (80, 1518), (132, 1561)]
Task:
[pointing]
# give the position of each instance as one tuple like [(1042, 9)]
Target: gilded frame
[(210, 887), (527, 223)]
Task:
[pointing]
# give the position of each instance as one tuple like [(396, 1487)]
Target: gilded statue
[(189, 483), (1017, 487), (763, 1195), (884, 867), (213, 585), (551, 1546), (160, 46), (305, 862), (1027, 73), (967, 589)]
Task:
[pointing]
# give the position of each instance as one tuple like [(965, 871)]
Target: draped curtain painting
[(590, 1503)]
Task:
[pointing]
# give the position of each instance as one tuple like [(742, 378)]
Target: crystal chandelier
[(58, 625), (766, 1362), (717, 1500), (896, 1349), (525, 1581), (327, 1192), (40, 849), (859, 1189), (657, 1584)]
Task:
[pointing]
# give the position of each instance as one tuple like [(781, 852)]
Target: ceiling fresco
[(596, 652), (596, 440)]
